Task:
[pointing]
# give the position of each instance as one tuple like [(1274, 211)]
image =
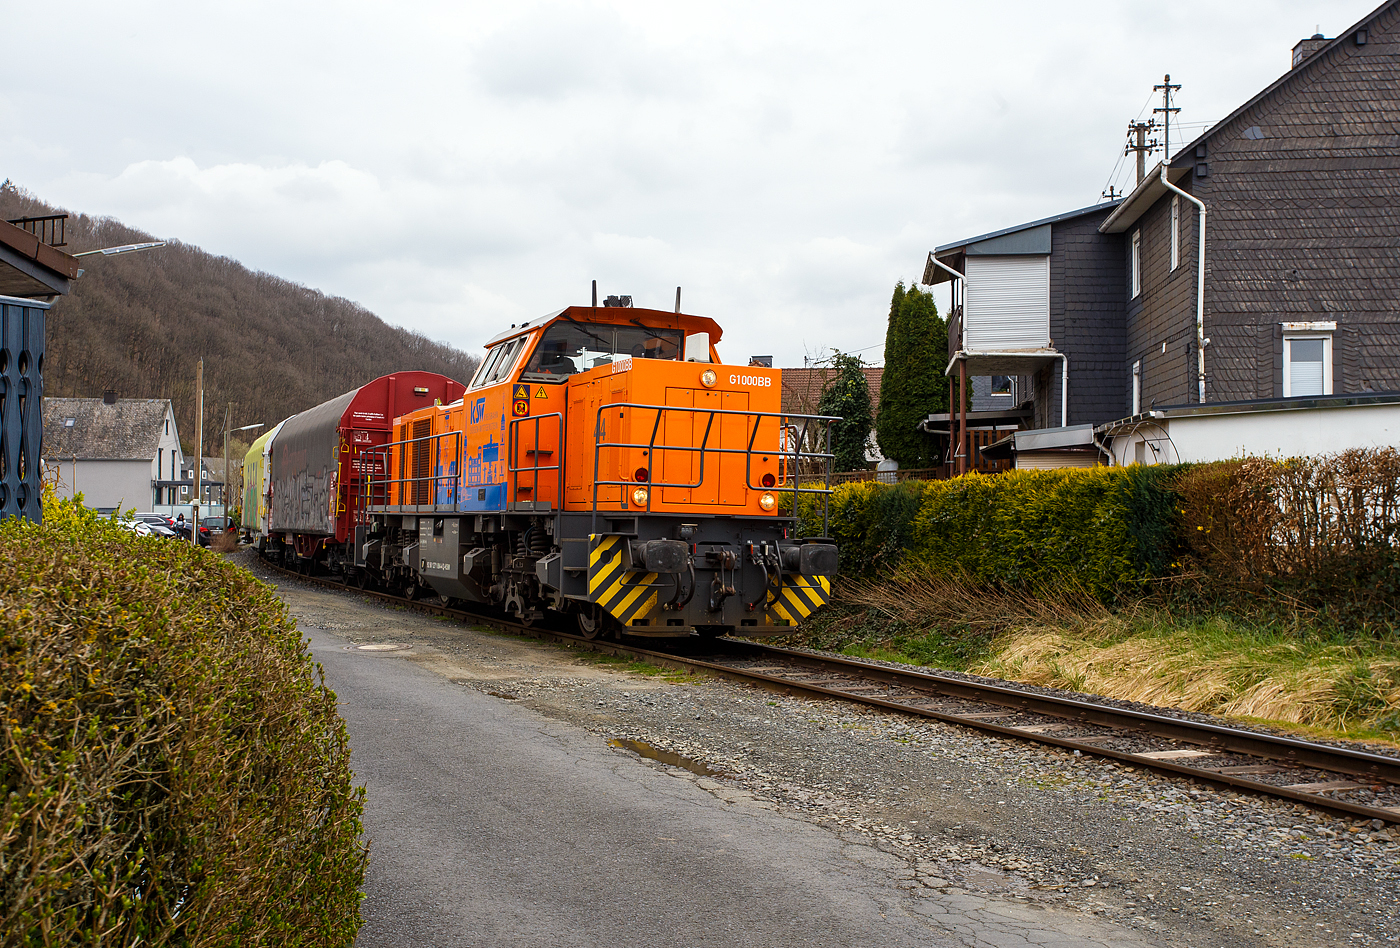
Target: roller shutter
[(1007, 303)]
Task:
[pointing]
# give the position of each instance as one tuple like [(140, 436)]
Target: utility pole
[(223, 491), (198, 448), (1138, 142), (1167, 110)]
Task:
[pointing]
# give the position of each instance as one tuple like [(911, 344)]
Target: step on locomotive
[(602, 463)]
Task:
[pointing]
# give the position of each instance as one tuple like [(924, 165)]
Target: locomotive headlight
[(767, 501), (708, 378), (639, 496)]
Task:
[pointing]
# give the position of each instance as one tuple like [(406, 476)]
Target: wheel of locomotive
[(412, 590), (590, 620)]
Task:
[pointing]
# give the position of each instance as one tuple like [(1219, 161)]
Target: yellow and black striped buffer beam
[(799, 597), (627, 594)]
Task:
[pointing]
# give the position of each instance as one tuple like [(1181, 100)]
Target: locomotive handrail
[(558, 465), (796, 455), (386, 451)]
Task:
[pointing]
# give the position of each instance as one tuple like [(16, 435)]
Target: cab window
[(568, 348), (500, 361)]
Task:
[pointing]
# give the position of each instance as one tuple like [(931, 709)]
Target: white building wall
[(105, 484), (1281, 433), (169, 461)]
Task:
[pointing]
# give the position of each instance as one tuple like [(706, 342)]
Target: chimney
[(1305, 48), (109, 397)]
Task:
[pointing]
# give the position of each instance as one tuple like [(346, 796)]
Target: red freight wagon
[(320, 456)]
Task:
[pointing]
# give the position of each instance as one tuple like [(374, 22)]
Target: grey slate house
[(116, 452), (1036, 298), (1299, 295), (1301, 186), (1034, 306)]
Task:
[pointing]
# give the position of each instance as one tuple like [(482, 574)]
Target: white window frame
[(1135, 267), (1176, 231), (1137, 388), (1322, 331)]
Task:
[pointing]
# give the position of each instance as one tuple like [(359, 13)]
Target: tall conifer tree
[(913, 384)]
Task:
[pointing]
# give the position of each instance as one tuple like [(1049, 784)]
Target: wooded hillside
[(137, 324)]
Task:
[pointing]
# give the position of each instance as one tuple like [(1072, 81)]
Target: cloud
[(457, 167)]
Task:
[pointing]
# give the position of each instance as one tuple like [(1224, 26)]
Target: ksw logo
[(478, 410)]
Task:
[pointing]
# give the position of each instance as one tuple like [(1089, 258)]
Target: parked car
[(138, 527), (161, 525)]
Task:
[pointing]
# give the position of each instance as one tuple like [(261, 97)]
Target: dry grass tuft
[(928, 600), (1143, 651), (1210, 668)]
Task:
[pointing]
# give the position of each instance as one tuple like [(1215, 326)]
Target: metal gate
[(21, 406)]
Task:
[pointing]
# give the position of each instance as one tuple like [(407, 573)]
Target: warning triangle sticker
[(541, 393), (522, 391)]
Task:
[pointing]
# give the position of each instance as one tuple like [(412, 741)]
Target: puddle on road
[(643, 749)]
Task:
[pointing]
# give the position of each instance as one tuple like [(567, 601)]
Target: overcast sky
[(456, 167)]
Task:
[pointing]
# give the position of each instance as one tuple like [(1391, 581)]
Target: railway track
[(1341, 780)]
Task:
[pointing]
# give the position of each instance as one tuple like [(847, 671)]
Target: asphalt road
[(493, 825)]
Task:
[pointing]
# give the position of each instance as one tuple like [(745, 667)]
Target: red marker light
[(769, 480), (641, 475)]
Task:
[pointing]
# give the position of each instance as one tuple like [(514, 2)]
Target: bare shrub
[(1320, 531), (225, 542)]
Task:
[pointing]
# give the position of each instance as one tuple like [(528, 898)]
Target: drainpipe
[(964, 448), (1200, 285), (1064, 390)]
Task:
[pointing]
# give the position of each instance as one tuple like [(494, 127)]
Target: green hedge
[(1103, 529), (174, 772)]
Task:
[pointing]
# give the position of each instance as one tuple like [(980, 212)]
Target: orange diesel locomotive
[(604, 463)]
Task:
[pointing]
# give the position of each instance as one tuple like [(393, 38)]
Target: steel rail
[(930, 686)]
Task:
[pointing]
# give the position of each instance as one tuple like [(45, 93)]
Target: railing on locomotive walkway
[(801, 448), (423, 480)]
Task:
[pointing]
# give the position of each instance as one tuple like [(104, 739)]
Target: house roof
[(1150, 188), (30, 268), (802, 388), (999, 243), (128, 430), (1148, 191), (1187, 155)]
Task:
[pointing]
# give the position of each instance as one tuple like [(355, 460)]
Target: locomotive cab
[(605, 463)]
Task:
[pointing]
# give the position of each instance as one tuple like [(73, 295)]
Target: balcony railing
[(51, 229)]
